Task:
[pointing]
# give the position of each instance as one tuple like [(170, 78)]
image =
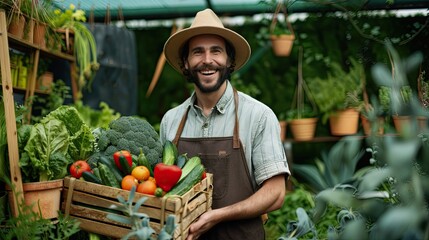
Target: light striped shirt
[(259, 130)]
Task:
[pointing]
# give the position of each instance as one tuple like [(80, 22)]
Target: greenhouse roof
[(171, 9)]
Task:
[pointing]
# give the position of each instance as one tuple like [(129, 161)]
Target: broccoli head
[(131, 133)]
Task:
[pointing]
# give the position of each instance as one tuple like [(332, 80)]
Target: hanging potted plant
[(301, 117), (338, 97), (78, 39), (282, 35)]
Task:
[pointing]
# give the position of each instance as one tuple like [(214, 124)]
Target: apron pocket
[(218, 165)]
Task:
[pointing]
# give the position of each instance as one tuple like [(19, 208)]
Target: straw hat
[(205, 22)]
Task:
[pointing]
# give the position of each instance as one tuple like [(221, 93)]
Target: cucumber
[(189, 165), (188, 182), (111, 165), (143, 161), (169, 153), (107, 176), (126, 168), (96, 172), (90, 177)]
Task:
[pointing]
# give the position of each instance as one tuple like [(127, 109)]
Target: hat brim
[(173, 46)]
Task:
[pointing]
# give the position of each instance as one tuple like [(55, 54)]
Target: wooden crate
[(90, 202)]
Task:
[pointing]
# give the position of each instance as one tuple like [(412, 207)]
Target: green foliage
[(31, 225), (95, 118), (46, 104), (337, 166), (300, 197), (140, 222), (389, 199), (306, 112), (339, 90)]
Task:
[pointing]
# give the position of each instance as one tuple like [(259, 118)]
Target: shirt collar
[(223, 101)]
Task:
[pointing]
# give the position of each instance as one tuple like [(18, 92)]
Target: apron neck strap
[(235, 138)]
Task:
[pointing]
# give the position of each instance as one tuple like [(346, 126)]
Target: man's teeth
[(207, 72)]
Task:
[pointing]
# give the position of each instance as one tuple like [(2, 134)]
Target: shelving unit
[(37, 53), (8, 42)]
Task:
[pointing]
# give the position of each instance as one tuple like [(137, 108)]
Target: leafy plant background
[(275, 77)]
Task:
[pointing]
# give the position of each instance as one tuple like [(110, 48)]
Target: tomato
[(147, 187), (204, 175), (128, 182), (127, 156), (78, 167)]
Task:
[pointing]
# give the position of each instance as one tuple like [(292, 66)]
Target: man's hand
[(202, 225)]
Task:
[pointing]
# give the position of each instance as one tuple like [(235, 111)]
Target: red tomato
[(78, 167), (204, 175)]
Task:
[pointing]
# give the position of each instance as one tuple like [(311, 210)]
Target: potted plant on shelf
[(71, 23), (15, 17), (302, 117), (338, 97)]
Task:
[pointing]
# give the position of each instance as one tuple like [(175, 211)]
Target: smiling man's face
[(207, 62)]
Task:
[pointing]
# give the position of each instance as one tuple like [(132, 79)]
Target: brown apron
[(224, 158)]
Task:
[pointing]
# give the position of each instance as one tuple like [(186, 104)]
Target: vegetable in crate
[(78, 167), (123, 160), (166, 176), (131, 133)]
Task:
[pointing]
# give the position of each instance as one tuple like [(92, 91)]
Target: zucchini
[(107, 176), (111, 165), (126, 168), (188, 182), (90, 177), (189, 165), (169, 153)]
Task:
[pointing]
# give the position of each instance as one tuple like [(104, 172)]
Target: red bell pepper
[(166, 176)]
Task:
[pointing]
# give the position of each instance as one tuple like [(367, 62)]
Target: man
[(236, 136)]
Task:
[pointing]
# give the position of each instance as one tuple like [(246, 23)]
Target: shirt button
[(205, 125), (221, 108)]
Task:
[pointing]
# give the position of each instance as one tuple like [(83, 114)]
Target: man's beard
[(224, 75)]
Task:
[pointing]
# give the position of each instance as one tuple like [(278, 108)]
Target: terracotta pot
[(67, 38), (404, 123), (44, 81), (46, 195), (16, 25), (29, 30), (39, 34), (422, 122), (283, 127), (282, 44), (366, 125), (303, 129), (344, 122)]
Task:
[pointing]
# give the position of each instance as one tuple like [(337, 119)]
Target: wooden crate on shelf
[(90, 204)]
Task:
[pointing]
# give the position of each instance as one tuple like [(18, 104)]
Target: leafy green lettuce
[(58, 140)]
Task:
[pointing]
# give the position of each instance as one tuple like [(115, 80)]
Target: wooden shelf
[(25, 46)]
